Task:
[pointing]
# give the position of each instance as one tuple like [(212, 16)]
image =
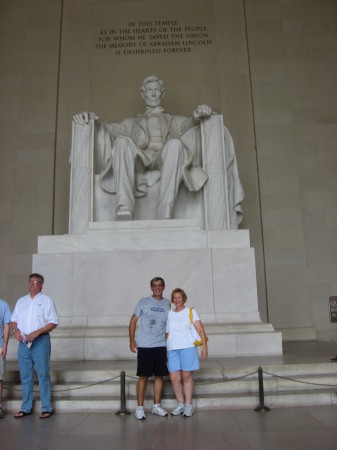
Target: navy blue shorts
[(151, 361)]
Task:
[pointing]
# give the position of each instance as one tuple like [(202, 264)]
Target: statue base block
[(97, 277)]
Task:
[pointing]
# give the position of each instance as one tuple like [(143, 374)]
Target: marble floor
[(280, 429), (313, 427)]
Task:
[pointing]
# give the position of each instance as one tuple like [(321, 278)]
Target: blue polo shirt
[(5, 317)]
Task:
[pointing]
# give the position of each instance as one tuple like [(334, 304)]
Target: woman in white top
[(182, 354)]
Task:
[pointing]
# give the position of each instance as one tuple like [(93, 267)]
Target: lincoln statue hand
[(154, 147)]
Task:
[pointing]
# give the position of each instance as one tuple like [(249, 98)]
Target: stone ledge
[(149, 238)]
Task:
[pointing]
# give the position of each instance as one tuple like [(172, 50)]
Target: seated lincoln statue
[(155, 148)]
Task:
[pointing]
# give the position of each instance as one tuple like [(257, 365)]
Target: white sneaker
[(159, 410), (179, 409), (140, 414), (188, 411)]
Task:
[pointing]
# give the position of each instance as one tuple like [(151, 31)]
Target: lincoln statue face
[(153, 94), (152, 91)]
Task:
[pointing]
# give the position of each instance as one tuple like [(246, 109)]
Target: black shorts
[(151, 361)]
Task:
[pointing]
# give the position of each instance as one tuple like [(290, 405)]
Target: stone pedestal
[(97, 277)]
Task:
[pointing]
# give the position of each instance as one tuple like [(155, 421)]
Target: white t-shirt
[(178, 327)]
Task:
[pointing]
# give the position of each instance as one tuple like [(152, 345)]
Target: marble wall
[(293, 56), (273, 79), (29, 53)]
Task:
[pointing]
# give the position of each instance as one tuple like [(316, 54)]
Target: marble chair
[(216, 206)]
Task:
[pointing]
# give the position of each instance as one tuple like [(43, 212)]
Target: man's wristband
[(13, 331)]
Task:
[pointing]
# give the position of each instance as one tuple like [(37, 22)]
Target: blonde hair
[(179, 291)]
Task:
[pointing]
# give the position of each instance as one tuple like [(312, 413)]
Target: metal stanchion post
[(261, 406), (123, 411)]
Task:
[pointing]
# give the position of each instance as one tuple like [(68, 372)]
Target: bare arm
[(46, 329), (132, 332), (200, 329), (18, 336), (31, 336), (6, 337)]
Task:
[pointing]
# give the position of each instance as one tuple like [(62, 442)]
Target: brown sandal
[(21, 414), (45, 415)]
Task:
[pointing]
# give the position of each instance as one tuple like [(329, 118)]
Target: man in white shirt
[(34, 316)]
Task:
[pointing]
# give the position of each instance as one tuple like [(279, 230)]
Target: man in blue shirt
[(5, 318), (150, 345)]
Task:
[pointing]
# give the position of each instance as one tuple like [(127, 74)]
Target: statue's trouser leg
[(124, 153), (171, 175)]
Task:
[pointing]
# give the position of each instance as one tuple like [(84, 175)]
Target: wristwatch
[(13, 331)]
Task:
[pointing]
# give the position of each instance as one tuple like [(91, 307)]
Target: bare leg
[(141, 390), (177, 385), (188, 386), (157, 389)]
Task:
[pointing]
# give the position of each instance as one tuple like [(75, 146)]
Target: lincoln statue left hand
[(154, 147)]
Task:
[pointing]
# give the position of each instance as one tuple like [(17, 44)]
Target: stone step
[(215, 388), (218, 402), (206, 386), (74, 372)]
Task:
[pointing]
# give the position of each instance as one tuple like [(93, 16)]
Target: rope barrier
[(224, 380), (69, 389), (199, 383), (300, 381)]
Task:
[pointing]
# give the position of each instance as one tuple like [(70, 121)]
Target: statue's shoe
[(123, 213)]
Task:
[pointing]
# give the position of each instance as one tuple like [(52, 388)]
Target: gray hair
[(157, 279), (38, 276)]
